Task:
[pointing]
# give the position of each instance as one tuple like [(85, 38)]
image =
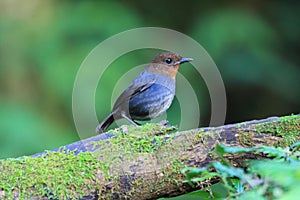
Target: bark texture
[(145, 163)]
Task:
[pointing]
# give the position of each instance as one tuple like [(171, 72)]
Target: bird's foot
[(163, 122), (99, 129), (130, 120), (124, 129)]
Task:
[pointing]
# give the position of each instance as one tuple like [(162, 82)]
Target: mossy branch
[(135, 162)]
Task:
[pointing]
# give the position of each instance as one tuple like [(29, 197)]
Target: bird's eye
[(169, 60)]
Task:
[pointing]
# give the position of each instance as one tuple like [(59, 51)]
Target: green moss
[(288, 127), (137, 139), (148, 130), (61, 175), (245, 137)]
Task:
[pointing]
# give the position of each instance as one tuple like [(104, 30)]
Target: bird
[(150, 94)]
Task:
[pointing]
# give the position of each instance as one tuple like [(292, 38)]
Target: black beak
[(183, 60)]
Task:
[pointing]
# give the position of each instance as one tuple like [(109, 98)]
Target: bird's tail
[(105, 123)]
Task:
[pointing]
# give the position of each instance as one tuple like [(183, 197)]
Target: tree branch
[(135, 162)]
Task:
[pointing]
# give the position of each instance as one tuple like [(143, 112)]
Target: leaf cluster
[(275, 178)]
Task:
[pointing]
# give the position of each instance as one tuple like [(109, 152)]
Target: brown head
[(166, 63)]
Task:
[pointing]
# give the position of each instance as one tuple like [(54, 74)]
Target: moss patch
[(288, 127), (58, 175), (137, 139)]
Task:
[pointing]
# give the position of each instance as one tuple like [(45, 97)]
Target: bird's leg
[(137, 123), (130, 120), (163, 122)]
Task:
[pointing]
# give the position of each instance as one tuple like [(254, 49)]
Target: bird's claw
[(163, 122)]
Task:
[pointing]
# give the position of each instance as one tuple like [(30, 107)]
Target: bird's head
[(166, 63)]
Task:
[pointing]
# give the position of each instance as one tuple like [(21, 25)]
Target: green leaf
[(293, 193), (192, 172), (229, 171), (238, 185), (296, 145), (219, 190), (271, 151), (222, 149), (252, 194), (283, 173), (205, 176), (196, 195)]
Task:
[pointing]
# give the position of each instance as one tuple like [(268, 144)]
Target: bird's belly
[(151, 103)]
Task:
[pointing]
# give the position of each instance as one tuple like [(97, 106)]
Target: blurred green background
[(255, 45)]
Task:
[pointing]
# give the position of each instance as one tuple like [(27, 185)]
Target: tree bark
[(146, 164)]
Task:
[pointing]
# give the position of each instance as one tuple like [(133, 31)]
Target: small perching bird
[(150, 94)]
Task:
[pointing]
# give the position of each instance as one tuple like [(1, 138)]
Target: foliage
[(39, 62), (275, 178), (43, 43)]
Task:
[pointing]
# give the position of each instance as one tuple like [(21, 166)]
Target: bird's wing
[(142, 88), (132, 90)]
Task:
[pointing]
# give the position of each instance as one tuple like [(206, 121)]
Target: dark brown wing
[(131, 91)]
